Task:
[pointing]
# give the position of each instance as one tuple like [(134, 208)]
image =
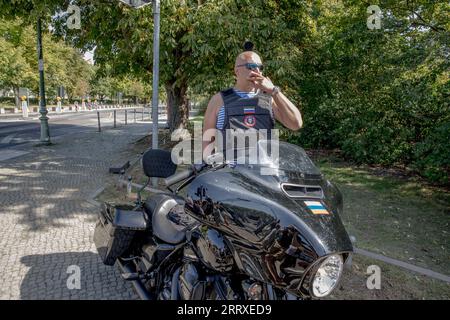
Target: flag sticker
[(249, 110), (316, 207)]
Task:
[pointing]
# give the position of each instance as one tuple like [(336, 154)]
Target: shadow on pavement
[(49, 275), (49, 188)]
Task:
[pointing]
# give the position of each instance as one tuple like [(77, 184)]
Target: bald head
[(242, 73), (247, 56)]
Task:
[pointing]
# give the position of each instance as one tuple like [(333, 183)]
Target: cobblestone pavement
[(46, 223)]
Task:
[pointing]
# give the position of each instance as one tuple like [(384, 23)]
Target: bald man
[(253, 103)]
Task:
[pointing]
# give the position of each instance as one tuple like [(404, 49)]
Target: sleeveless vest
[(243, 115)]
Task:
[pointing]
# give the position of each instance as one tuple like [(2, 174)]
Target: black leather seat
[(158, 208)]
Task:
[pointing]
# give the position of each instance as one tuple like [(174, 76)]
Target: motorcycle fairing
[(274, 237)]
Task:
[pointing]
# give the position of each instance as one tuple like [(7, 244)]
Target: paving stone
[(46, 223)]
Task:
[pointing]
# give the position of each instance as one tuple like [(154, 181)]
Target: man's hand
[(261, 82), (284, 110)]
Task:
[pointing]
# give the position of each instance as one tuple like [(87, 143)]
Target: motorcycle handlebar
[(177, 177)]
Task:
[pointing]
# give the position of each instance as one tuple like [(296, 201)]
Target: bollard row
[(125, 119), (25, 110)]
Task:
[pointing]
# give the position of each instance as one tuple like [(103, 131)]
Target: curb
[(404, 265)]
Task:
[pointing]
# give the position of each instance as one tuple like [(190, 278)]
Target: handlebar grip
[(178, 177)]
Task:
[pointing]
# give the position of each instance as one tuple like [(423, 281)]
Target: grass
[(197, 119), (402, 218), (396, 283)]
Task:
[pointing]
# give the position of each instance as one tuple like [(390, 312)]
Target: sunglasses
[(252, 66)]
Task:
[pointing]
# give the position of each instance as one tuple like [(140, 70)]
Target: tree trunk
[(177, 106)]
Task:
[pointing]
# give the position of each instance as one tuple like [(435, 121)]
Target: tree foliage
[(381, 96), (64, 65), (199, 41)]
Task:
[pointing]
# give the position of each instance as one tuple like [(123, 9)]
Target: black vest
[(246, 114)]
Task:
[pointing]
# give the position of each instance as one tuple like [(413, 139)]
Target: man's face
[(241, 71)]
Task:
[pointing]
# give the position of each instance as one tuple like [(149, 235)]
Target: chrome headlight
[(327, 276)]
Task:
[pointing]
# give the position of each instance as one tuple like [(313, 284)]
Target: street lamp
[(156, 28)]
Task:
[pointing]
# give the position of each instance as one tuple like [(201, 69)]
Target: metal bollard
[(114, 118), (126, 116), (98, 117)]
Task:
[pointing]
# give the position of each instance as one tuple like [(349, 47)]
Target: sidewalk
[(47, 224)]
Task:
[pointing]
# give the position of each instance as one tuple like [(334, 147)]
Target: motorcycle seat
[(158, 208)]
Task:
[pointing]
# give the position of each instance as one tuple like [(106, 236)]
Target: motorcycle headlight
[(327, 276)]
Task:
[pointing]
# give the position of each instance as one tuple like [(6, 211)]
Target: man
[(252, 103)]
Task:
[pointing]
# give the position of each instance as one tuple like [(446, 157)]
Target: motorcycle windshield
[(273, 157)]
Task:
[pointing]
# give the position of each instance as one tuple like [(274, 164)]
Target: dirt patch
[(116, 191), (396, 284)]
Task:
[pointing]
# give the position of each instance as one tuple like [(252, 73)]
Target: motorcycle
[(230, 231)]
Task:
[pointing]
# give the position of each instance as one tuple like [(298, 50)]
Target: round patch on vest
[(250, 120)]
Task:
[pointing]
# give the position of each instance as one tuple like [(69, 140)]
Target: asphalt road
[(18, 132)]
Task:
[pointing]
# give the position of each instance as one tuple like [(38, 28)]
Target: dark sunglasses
[(252, 66)]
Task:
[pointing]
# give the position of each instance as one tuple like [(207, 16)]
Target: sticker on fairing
[(316, 207)]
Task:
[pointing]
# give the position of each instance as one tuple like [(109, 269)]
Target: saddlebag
[(116, 229)]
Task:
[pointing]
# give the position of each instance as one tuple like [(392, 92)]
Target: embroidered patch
[(316, 207), (250, 121)]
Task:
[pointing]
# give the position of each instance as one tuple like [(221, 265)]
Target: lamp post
[(155, 91), (45, 131), (156, 31)]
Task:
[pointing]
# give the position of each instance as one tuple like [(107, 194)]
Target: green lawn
[(197, 119), (401, 218)]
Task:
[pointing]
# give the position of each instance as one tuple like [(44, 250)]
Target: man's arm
[(209, 124), (286, 112)]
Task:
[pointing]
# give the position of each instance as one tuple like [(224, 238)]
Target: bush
[(432, 156)]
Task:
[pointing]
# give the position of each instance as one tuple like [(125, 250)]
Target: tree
[(79, 74), (64, 65), (199, 41), (15, 70), (379, 95)]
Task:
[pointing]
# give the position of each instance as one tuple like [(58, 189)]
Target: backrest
[(158, 163)]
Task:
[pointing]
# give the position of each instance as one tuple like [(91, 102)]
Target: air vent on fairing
[(302, 191)]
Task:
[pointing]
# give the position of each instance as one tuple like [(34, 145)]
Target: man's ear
[(235, 71)]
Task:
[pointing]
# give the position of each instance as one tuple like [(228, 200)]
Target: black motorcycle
[(230, 231)]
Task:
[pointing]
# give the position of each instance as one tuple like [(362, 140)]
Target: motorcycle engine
[(191, 287)]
